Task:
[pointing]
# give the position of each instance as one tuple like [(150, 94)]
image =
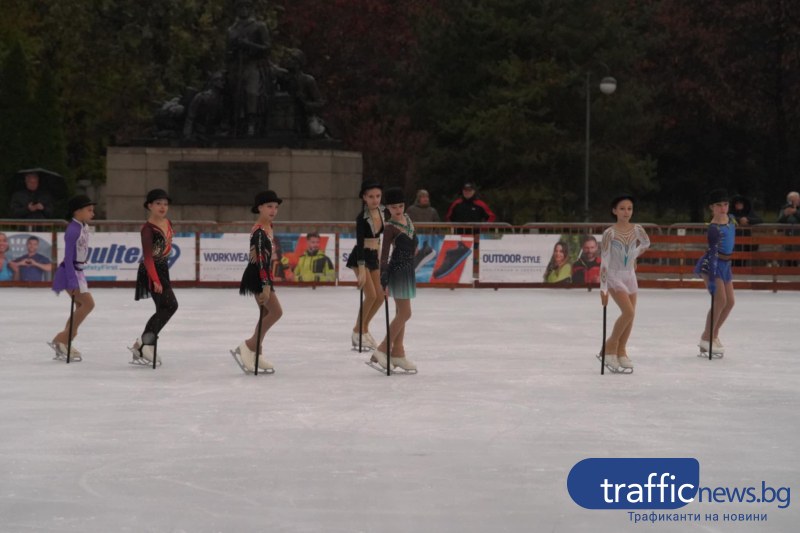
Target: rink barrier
[(766, 256)]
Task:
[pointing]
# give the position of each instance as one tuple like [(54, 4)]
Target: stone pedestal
[(316, 185)]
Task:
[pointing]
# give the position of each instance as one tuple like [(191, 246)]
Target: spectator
[(421, 210), (33, 265), (314, 265), (790, 213), (742, 210), (8, 270), (468, 208), (586, 269), (31, 202), (559, 270)]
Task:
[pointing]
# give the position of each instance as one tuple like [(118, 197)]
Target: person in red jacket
[(468, 208)]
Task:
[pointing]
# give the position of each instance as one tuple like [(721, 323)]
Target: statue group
[(252, 97)]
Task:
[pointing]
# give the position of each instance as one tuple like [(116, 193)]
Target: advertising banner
[(28, 256), (555, 259), (296, 257), (445, 259), (116, 256)]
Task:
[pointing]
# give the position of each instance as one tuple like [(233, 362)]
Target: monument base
[(315, 184)]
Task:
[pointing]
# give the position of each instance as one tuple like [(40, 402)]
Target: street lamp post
[(607, 86)]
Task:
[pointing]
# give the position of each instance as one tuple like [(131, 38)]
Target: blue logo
[(634, 483)]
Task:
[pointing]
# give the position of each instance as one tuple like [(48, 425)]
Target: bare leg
[(729, 303), (373, 276), (624, 322), (397, 327), (622, 345), (720, 305), (271, 314), (84, 303)]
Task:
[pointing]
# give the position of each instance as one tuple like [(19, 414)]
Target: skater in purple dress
[(69, 275)]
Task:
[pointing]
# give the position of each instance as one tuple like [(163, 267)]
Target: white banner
[(346, 245), (525, 258), (223, 256), (116, 256)]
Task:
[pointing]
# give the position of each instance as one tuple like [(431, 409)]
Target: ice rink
[(508, 398)]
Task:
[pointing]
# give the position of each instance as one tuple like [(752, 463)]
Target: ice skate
[(378, 361), (143, 354), (717, 350), (717, 346), (60, 350), (612, 363), (246, 359), (404, 364), (625, 365), (367, 342)]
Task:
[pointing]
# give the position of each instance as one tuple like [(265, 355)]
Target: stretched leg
[(84, 303), (720, 304), (397, 326), (729, 303), (271, 314), (371, 307), (166, 305), (625, 319), (622, 346)]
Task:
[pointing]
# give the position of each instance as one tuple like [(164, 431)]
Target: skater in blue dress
[(715, 269)]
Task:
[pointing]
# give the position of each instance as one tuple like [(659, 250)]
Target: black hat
[(468, 185), (77, 202), (367, 185), (264, 197), (716, 196), (623, 196), (156, 194), (394, 195)]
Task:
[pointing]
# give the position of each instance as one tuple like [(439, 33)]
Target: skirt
[(251, 281), (143, 281), (402, 283), (370, 259), (623, 281), (724, 271)]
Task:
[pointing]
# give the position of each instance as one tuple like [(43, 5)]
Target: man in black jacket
[(468, 208)]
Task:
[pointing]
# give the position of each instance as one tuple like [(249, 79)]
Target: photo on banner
[(27, 256), (115, 256), (553, 259)]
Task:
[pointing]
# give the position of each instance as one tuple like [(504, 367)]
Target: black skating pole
[(388, 339), (360, 317), (603, 350), (711, 329), (71, 314), (258, 336), (155, 351)]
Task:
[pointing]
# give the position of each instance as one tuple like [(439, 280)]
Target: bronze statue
[(206, 115), (308, 100), (247, 58)]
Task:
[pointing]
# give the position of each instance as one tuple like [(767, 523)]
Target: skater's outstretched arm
[(149, 263), (605, 258)]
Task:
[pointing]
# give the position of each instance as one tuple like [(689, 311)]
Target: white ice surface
[(507, 400)]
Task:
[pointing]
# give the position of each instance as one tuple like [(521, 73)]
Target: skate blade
[(61, 356), (235, 355), (704, 354), (363, 349), (395, 369)]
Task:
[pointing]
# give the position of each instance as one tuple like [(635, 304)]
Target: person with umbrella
[(32, 201)]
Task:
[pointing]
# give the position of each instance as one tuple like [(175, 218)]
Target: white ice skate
[(378, 361), (143, 354), (367, 342), (405, 365), (246, 359), (61, 352), (625, 364), (717, 351), (614, 364)]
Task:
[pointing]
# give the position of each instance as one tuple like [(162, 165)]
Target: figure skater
[(257, 280), (622, 244), (69, 275), (397, 278), (715, 269), (153, 276), (364, 261)]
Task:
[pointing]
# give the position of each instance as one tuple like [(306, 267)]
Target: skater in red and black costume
[(153, 276), (364, 260), (257, 280)]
